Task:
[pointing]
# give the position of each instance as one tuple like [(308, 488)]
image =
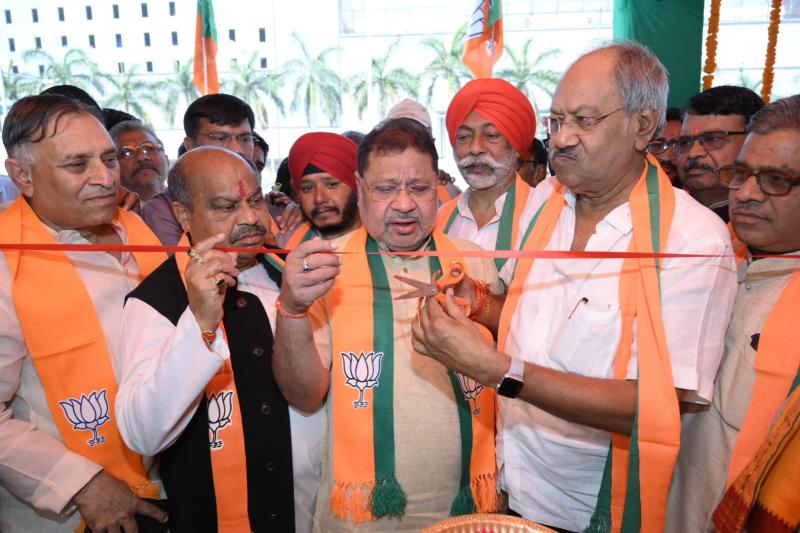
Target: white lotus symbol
[(220, 408), (471, 390), (88, 413), (362, 372)]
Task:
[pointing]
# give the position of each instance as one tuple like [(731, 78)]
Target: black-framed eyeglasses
[(225, 139), (388, 192), (710, 140), (771, 182), (554, 124), (147, 149)]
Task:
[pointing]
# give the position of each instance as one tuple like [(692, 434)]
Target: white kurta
[(164, 370), (568, 319), (465, 227)]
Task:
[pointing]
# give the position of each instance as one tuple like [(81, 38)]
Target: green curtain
[(673, 30)]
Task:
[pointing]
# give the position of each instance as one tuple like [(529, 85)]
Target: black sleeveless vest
[(186, 465)]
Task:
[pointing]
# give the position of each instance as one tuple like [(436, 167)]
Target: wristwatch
[(511, 384)]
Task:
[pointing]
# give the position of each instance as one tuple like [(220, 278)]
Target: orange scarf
[(364, 483), (67, 345), (303, 233), (514, 204), (228, 464), (656, 433), (776, 365), (765, 496)]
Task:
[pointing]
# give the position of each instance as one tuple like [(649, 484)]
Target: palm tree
[(316, 87), (17, 85), (75, 68), (254, 86), (179, 89), (525, 74), (446, 64), (128, 93), (389, 84)]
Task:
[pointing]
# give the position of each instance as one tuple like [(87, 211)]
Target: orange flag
[(205, 49), (484, 41)]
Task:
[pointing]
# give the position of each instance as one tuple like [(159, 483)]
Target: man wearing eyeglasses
[(409, 443), (596, 355), (712, 134), (761, 360), (143, 165), (663, 146)]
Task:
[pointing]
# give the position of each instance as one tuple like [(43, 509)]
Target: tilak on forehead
[(242, 191)]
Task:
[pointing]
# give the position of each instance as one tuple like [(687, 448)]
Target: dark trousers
[(512, 512)]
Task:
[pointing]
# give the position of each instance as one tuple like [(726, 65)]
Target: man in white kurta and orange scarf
[(599, 351), (60, 319), (489, 123)]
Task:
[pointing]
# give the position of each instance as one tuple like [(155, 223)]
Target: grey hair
[(641, 79), (176, 184), (132, 125), (783, 114)]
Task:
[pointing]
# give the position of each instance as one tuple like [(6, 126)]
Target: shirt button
[(241, 302), (258, 351), (270, 466), (405, 270), (265, 408)]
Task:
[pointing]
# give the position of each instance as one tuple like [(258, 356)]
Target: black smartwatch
[(511, 384)]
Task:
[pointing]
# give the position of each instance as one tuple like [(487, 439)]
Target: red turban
[(329, 152), (500, 103)]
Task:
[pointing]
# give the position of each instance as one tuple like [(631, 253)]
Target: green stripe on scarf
[(505, 228), (387, 497), (632, 512), (463, 503)]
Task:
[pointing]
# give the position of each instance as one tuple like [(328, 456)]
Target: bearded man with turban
[(489, 122), (322, 167)]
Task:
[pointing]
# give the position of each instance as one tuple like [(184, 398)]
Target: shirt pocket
[(587, 341)]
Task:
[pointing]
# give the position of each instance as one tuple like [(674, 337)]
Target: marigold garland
[(711, 45), (772, 42)]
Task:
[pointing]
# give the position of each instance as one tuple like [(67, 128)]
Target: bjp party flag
[(205, 49), (484, 40)]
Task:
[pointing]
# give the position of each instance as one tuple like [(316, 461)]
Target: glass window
[(115, 9), (263, 62), (146, 39), (174, 38), (15, 69), (121, 67), (172, 9), (41, 70), (262, 35), (8, 16), (91, 41), (119, 40), (232, 35), (149, 66), (38, 41), (88, 12), (61, 14), (144, 9), (11, 47), (64, 41), (35, 14)]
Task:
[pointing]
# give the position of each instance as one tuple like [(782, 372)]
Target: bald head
[(219, 191)]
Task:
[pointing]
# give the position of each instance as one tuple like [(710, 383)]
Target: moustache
[(402, 217), (480, 159), (143, 166), (246, 230), (694, 164), (570, 152), (322, 209)]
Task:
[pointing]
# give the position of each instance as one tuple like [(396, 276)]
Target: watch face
[(509, 387)]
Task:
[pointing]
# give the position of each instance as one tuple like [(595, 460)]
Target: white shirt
[(466, 228), (164, 370), (36, 470), (553, 467)]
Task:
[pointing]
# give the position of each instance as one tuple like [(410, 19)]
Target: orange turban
[(500, 103), (329, 152)]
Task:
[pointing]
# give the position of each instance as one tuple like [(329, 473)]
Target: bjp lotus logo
[(220, 408), (471, 390), (362, 372), (90, 412)]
